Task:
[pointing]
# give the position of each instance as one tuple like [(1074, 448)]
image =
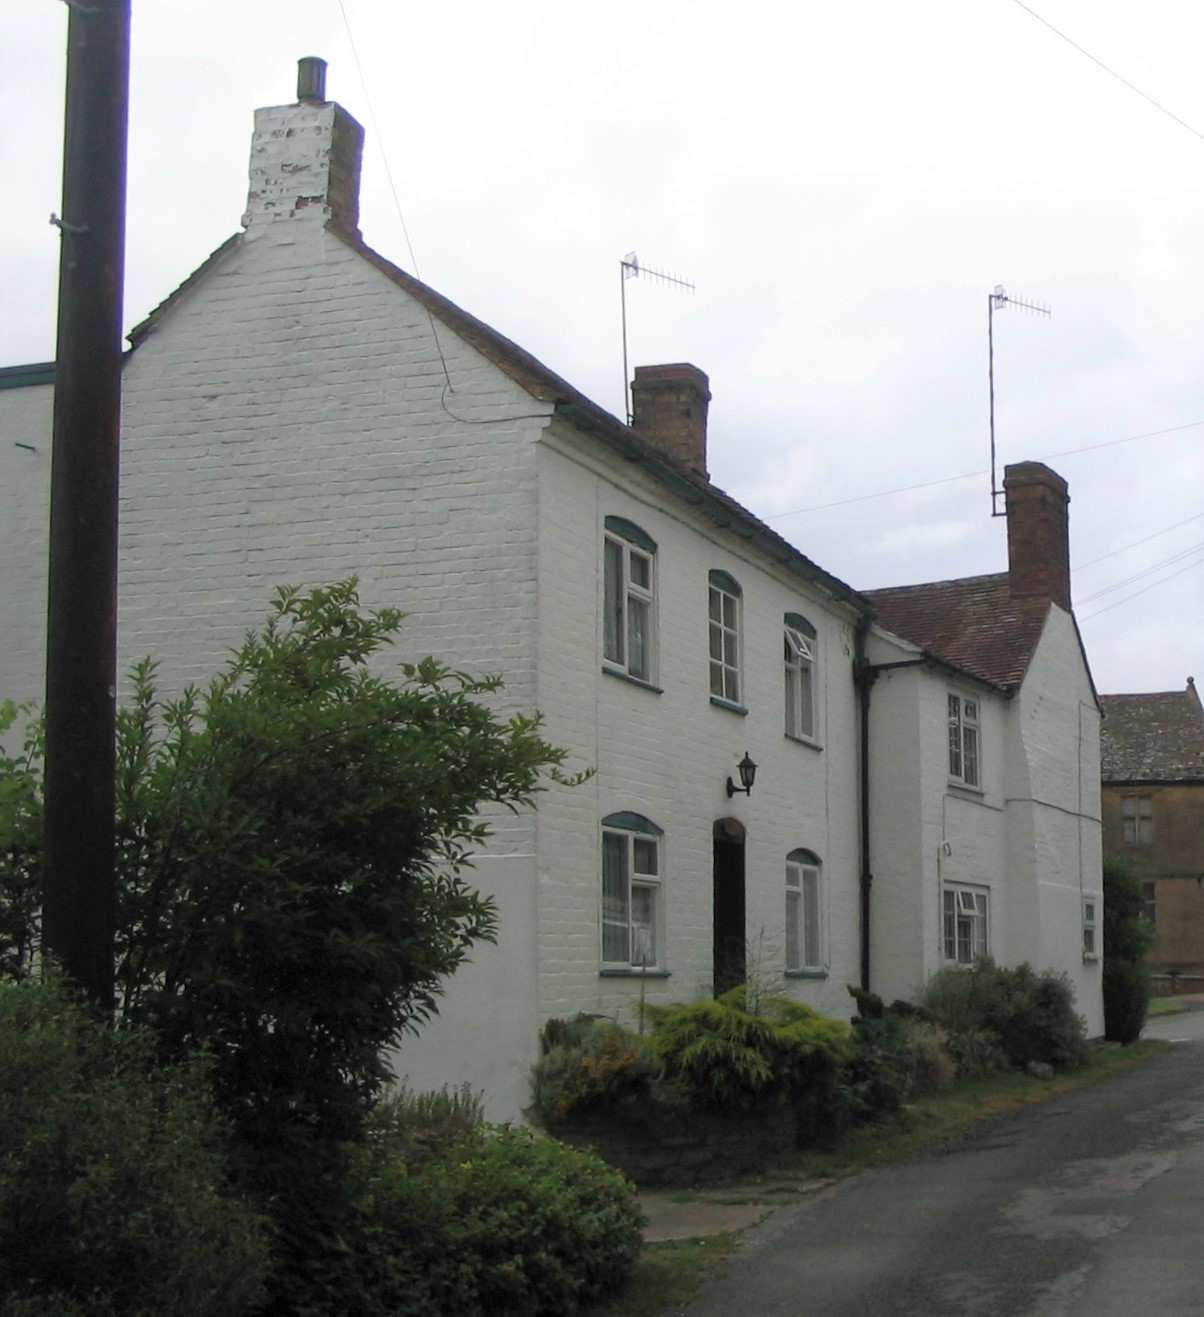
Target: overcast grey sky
[(844, 183)]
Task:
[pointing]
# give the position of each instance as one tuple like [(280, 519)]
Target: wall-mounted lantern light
[(748, 775)]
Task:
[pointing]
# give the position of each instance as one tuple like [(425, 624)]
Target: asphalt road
[(1090, 1203)]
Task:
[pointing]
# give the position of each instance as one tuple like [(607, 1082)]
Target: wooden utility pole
[(81, 641)]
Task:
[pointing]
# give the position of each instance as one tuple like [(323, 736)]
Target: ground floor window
[(631, 892), (966, 924), (804, 943), (1090, 928)]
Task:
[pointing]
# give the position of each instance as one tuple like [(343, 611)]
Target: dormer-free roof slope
[(1157, 737), (975, 625)]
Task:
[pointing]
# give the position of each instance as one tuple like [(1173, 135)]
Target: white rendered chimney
[(305, 160)]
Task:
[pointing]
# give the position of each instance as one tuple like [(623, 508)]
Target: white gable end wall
[(1055, 846), (289, 421)]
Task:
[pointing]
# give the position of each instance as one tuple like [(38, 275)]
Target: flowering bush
[(589, 1065)]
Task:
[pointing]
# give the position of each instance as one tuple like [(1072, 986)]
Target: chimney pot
[(1038, 532), (311, 79), (669, 410), (305, 160)]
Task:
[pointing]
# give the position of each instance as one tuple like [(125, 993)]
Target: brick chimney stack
[(669, 409), (1038, 532), (305, 160)]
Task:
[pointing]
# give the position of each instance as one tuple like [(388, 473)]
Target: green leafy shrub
[(505, 1222), (908, 1045), (292, 842), (1026, 1015), (1127, 937), (588, 1065), (20, 845), (113, 1174), (896, 1052)]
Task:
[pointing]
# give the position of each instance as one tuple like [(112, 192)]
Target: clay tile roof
[(1153, 738), (974, 625)]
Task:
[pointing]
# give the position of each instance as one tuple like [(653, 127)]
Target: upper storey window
[(799, 648), (629, 569), (724, 603), (1137, 819), (964, 741)]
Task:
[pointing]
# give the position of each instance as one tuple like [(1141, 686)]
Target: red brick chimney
[(669, 409), (305, 160), (1038, 532)]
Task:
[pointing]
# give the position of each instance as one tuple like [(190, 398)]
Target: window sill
[(956, 784), (634, 681), (720, 703), (807, 742), (631, 972), (1090, 957), (806, 973)]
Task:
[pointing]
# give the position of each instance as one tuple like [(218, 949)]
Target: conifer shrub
[(727, 1058), (1127, 937)]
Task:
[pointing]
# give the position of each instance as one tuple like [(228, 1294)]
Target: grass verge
[(1166, 1006), (670, 1274)]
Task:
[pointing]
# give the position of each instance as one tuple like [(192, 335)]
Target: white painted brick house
[(985, 808), (301, 410)]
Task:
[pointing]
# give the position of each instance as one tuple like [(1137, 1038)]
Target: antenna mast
[(996, 301), (630, 268)]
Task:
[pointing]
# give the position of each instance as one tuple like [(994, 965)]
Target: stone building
[(1152, 765)]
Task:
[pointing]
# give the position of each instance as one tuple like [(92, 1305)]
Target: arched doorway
[(728, 919)]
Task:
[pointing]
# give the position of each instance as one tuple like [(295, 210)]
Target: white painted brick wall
[(1057, 722), (1032, 836), (668, 755), (26, 418)]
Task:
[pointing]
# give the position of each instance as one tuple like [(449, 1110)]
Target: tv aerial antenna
[(997, 301), (630, 268)]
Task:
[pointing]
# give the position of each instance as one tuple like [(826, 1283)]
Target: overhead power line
[(1145, 96), (1153, 585), (1145, 539), (1146, 571), (975, 475)]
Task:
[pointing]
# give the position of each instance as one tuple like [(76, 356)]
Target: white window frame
[(632, 894), (965, 740), (629, 600), (1091, 928), (965, 923), (804, 914), (725, 605), (800, 683), (1137, 820)]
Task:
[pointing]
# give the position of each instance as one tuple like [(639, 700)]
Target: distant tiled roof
[(544, 384), (1153, 738), (974, 625)]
